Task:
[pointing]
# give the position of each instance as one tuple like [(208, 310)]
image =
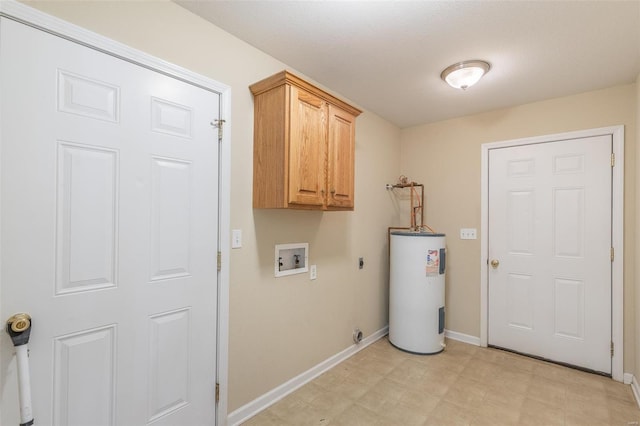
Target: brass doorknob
[(495, 263), (19, 322)]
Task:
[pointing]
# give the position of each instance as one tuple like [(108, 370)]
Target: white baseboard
[(635, 387), (627, 378), (461, 337), (257, 405)]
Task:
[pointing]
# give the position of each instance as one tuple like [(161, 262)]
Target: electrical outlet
[(468, 234), (313, 272)]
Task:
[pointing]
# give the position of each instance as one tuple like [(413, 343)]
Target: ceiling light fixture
[(465, 74)]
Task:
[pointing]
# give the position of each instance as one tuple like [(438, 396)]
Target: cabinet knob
[(333, 191)]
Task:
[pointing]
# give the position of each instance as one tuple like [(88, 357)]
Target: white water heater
[(416, 291)]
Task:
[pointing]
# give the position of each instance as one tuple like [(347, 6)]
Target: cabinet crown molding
[(287, 77)]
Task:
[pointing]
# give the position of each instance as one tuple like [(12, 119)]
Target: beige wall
[(446, 156), (278, 327)]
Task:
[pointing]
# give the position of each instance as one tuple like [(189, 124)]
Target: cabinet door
[(341, 150), (307, 148)]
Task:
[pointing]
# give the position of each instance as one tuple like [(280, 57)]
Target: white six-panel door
[(108, 235), (550, 250)]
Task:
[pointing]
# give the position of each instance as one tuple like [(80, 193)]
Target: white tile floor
[(465, 385)]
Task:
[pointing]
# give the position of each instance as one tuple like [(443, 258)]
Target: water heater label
[(433, 262)]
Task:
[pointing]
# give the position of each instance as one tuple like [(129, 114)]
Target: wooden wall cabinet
[(303, 146)]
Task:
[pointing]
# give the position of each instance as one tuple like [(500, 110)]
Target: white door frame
[(27, 15), (617, 299)]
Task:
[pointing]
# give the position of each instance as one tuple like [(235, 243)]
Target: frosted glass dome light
[(465, 74)]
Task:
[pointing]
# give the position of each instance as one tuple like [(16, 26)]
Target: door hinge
[(218, 124), (219, 261), (613, 159), (611, 349), (612, 254), (217, 392)]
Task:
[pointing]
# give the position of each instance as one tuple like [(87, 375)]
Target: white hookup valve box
[(291, 259)]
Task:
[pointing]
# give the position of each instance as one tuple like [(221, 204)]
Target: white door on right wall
[(550, 245)]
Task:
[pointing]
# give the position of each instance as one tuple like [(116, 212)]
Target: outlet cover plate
[(468, 234), (313, 272)]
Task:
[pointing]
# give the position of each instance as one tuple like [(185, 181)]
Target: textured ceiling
[(387, 56)]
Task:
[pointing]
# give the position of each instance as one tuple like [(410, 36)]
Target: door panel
[(307, 148), (341, 146), (550, 231), (82, 361), (109, 235)]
